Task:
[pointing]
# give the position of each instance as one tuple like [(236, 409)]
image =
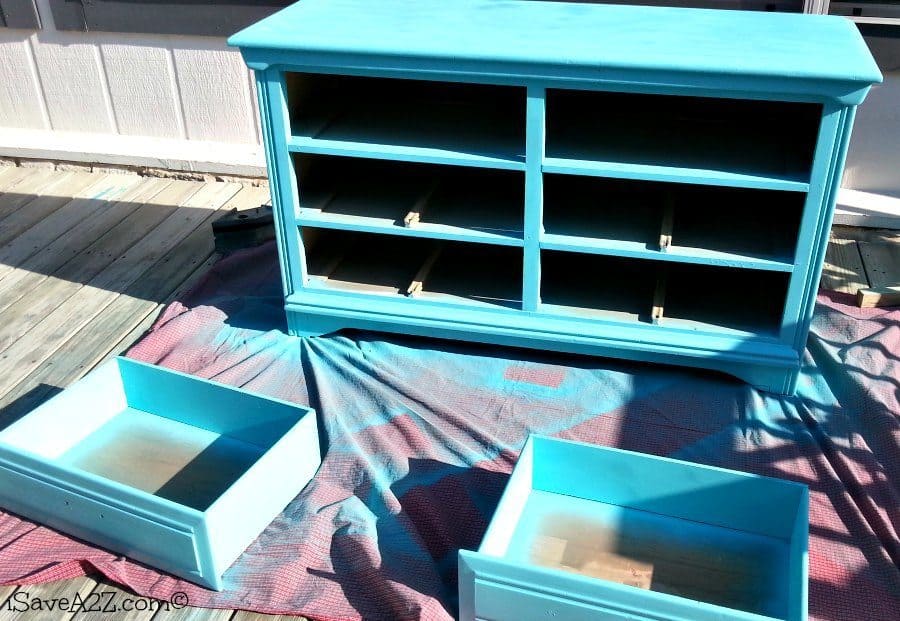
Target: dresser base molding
[(770, 366)]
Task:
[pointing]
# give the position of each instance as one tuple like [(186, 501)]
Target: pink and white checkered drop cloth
[(422, 434)]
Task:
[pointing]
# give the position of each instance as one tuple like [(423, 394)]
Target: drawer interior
[(762, 224), (603, 208), (362, 262), (702, 562), (426, 269), (757, 223), (173, 460), (698, 296), (386, 192), (597, 286), (481, 273), (695, 297), (470, 118), (761, 138), (171, 435)]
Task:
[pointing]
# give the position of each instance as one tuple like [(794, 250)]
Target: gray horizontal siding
[(884, 43), (219, 18), (19, 14)]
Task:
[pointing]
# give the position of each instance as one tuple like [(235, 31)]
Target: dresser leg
[(777, 380), (312, 325)]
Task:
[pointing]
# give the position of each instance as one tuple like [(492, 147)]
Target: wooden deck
[(87, 261), (860, 258)]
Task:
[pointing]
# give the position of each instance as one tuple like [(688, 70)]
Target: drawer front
[(498, 602), (162, 546)]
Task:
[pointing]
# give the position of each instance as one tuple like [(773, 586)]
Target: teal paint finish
[(812, 232), (168, 469), (534, 198), (732, 99), (820, 244), (763, 362), (686, 46), (368, 224), (274, 118), (638, 250), (674, 174), (404, 153), (697, 526)]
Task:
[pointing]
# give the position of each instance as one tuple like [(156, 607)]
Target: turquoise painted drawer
[(587, 533), (168, 469), (648, 183)]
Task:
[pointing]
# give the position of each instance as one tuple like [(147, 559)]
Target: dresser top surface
[(610, 37)]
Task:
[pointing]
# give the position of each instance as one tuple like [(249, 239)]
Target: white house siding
[(873, 164), (179, 102)]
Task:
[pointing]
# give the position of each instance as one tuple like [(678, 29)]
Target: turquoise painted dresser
[(647, 183)]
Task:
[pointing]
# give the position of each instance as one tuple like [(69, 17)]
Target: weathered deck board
[(28, 189), (118, 325), (843, 270), (882, 262), (109, 190), (193, 614), (46, 203), (81, 303), (38, 295), (105, 251), (11, 176), (858, 258), (155, 243), (43, 249), (866, 234)]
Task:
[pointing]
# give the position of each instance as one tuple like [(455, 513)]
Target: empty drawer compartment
[(473, 273), (156, 464), (590, 532), (362, 262), (768, 139), (482, 121), (703, 297), (430, 200), (598, 287), (604, 209)]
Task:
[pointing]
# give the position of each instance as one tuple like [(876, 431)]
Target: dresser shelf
[(372, 264), (412, 120), (625, 218), (609, 180), (377, 196), (742, 143)]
